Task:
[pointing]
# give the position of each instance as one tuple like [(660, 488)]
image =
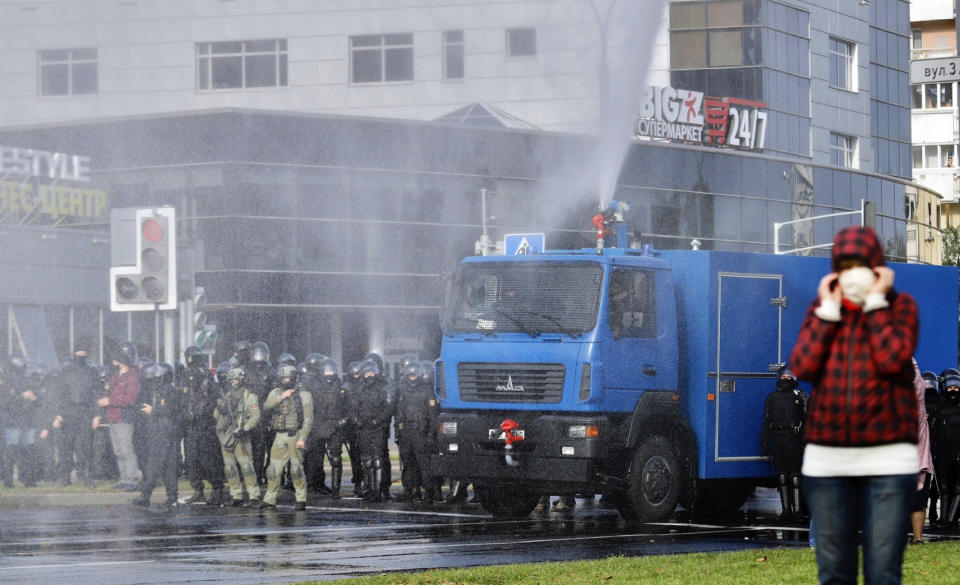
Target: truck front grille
[(499, 382)]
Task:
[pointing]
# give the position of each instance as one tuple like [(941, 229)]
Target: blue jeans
[(878, 507)]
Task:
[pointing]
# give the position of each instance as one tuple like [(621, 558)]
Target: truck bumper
[(547, 454)]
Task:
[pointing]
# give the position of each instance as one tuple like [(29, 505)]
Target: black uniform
[(416, 427), (201, 447), (781, 437), (947, 463), (77, 405), (260, 380), (351, 385), (162, 431), (932, 402), (372, 419), (330, 415)]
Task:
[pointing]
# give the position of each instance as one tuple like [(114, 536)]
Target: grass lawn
[(929, 564)]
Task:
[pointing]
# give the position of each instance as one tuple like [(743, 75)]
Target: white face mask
[(856, 282)]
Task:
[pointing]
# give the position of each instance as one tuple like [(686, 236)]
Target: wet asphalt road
[(113, 542)]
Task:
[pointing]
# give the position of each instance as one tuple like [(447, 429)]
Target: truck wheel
[(653, 482), (507, 502)]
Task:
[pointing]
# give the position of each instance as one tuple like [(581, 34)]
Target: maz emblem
[(509, 386)]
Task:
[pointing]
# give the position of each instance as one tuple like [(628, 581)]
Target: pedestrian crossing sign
[(523, 244)]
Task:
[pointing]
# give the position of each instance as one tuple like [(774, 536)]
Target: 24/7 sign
[(933, 70)]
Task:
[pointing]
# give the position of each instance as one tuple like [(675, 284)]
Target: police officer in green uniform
[(237, 414), (292, 420)]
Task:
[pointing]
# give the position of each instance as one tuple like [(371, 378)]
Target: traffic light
[(144, 271)]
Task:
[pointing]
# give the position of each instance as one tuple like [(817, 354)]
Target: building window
[(842, 72), (381, 58), (843, 150), (934, 156), (67, 71), (928, 96), (239, 64), (453, 54), (713, 34), (521, 42), (916, 39)]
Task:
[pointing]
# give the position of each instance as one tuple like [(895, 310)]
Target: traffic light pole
[(169, 337), (156, 333)]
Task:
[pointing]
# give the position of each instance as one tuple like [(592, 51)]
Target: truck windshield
[(524, 297)]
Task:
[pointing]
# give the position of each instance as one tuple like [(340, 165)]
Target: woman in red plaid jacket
[(860, 461)]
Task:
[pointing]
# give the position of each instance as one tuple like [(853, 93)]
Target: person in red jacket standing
[(860, 462), (119, 414)]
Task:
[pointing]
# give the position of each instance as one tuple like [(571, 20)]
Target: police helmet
[(303, 370), (947, 372), (376, 358), (241, 350), (785, 371), (427, 372), (313, 360), (167, 372), (931, 381), (369, 369), (36, 373), (193, 355), (154, 373), (286, 359), (236, 374), (104, 373), (406, 359), (353, 370), (222, 369), (287, 375), (413, 371), (18, 364), (329, 368), (951, 380), (125, 353), (260, 353)]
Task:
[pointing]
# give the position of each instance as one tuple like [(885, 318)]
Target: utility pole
[(603, 75)]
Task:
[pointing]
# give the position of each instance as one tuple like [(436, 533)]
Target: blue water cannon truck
[(637, 374)]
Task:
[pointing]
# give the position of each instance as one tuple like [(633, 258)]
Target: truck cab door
[(631, 349)]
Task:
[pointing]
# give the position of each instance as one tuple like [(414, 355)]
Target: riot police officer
[(932, 402), (261, 379), (291, 412), (948, 452), (160, 403), (781, 438), (241, 353), (389, 391), (372, 419), (74, 409), (202, 451), (237, 415), (416, 423), (330, 415), (220, 377), (351, 384)]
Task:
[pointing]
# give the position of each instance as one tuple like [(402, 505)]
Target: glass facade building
[(334, 234)]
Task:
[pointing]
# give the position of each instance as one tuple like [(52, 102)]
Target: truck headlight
[(448, 428), (583, 431)]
